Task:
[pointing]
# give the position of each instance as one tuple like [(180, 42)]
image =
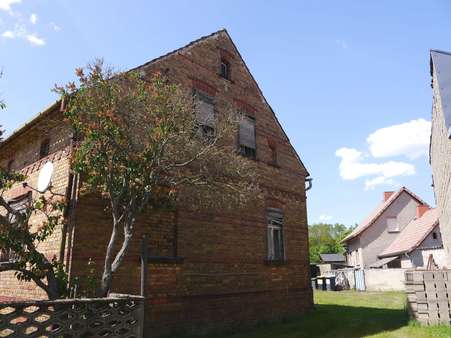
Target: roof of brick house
[(367, 222), (413, 234)]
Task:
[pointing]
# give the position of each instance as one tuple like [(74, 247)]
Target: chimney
[(387, 195), (421, 209)]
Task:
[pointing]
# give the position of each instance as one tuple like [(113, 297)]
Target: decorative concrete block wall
[(427, 296)]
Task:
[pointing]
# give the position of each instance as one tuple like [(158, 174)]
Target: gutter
[(310, 184)]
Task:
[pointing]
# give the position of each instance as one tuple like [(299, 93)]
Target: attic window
[(224, 70), (273, 150), (434, 235), (45, 148)]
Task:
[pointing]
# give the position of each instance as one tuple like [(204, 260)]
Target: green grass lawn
[(350, 314)]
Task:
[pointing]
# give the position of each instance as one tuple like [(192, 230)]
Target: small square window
[(45, 148), (225, 69), (392, 224)]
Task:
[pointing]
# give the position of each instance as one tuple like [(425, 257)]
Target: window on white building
[(392, 224)]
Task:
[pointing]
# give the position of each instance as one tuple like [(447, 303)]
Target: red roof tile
[(365, 224), (412, 235)]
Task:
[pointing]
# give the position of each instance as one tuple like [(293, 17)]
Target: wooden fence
[(119, 316), (427, 296)]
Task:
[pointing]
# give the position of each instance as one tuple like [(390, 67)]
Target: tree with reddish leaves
[(143, 145)]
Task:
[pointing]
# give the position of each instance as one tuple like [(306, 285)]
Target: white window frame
[(392, 228)]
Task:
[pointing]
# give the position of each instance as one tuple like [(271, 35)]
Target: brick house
[(208, 270), (440, 147)]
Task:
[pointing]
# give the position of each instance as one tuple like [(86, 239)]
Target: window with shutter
[(276, 250), (247, 137), (19, 204), (205, 113)]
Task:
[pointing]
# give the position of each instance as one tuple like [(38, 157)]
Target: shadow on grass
[(331, 321)]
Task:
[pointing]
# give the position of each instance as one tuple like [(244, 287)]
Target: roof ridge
[(383, 206), (189, 44)]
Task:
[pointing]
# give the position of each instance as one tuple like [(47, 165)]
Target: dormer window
[(45, 148), (224, 71)]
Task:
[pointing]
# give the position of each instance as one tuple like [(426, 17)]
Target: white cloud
[(352, 166), (20, 32), (33, 18), (55, 27), (325, 218), (379, 180), (410, 139), (5, 5), (9, 34), (342, 43), (35, 40)]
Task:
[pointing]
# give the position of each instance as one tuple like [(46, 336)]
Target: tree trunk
[(107, 276), (53, 291)]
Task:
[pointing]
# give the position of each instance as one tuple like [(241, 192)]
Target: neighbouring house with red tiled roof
[(381, 228), (419, 240)]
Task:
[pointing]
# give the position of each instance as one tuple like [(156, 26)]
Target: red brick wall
[(25, 152), (223, 280)]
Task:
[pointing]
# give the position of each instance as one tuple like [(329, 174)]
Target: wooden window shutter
[(205, 113), (247, 132), (205, 109)]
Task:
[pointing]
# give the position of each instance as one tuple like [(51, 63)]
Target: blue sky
[(349, 80)]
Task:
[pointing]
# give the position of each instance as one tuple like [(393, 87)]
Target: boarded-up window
[(276, 249), (392, 224), (247, 137), (205, 113)]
